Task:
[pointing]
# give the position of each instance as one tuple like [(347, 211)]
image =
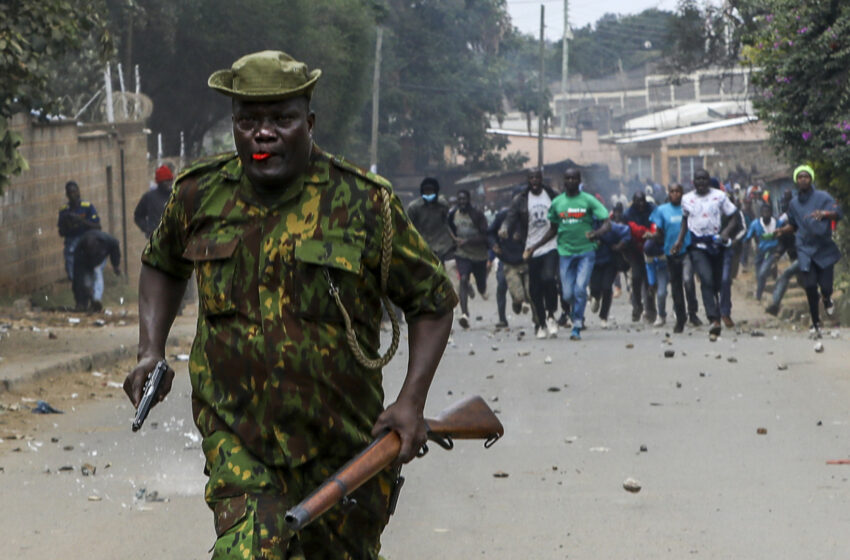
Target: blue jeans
[(68, 253), (726, 282), (763, 263), (575, 276), (783, 280), (658, 277), (709, 268)]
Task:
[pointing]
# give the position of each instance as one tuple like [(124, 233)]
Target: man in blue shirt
[(810, 216), (764, 229), (76, 218), (667, 220)]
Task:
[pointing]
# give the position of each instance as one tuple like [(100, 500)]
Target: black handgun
[(148, 394)]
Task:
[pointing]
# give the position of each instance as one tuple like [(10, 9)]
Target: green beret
[(265, 76)]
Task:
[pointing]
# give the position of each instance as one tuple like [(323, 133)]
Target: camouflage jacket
[(270, 362)]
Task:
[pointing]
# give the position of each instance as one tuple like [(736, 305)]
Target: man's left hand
[(116, 270), (409, 423)]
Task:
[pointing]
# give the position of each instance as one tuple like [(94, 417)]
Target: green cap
[(265, 76)]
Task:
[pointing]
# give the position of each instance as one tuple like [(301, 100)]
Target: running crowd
[(556, 251)]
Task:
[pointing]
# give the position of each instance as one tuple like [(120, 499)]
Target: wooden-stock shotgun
[(469, 418)]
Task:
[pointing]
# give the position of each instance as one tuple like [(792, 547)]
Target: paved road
[(712, 486)]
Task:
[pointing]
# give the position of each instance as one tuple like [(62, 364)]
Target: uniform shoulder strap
[(386, 255), (368, 176), (187, 179)]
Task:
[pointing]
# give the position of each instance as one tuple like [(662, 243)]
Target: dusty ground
[(713, 486)]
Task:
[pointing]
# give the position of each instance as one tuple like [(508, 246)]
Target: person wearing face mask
[(430, 215)]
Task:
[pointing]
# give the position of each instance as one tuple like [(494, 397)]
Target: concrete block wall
[(30, 246)]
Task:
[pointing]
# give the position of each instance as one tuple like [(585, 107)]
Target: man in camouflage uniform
[(272, 232)]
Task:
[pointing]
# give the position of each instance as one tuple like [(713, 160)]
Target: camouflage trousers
[(516, 277), (250, 500)]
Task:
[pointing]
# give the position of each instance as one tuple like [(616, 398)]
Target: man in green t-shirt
[(573, 214)]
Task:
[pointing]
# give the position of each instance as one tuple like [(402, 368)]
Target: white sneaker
[(484, 295), (552, 326), (829, 306), (659, 321), (603, 324), (541, 333)]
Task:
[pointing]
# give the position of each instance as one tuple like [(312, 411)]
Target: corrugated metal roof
[(687, 130)]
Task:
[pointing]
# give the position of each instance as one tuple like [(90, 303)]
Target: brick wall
[(30, 246)]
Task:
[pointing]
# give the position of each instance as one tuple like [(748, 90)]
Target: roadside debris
[(88, 469), (500, 474), (41, 407), (669, 353), (631, 485), (761, 431)]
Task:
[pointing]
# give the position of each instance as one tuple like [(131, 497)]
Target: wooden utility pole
[(541, 104), (565, 66), (376, 88)]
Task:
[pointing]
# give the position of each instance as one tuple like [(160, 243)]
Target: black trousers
[(814, 278), (602, 286), (676, 265), (543, 279)]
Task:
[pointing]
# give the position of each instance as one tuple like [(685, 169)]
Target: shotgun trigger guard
[(490, 441), (347, 504), (445, 442)]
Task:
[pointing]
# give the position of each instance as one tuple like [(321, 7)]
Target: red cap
[(163, 173)]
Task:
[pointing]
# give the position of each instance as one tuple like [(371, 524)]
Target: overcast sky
[(526, 13)]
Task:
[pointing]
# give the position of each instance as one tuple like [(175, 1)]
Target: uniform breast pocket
[(215, 267), (317, 264)]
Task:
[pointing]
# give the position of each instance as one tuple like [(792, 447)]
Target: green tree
[(178, 45), (441, 79), (620, 42), (40, 44), (800, 55)]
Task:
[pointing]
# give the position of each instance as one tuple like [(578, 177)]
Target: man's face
[(463, 201), (766, 212), (273, 140), (572, 179), (639, 202), (535, 182), (73, 194), (804, 180), (702, 182), (675, 195)]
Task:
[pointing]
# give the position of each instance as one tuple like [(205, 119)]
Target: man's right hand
[(674, 250), (135, 381), (503, 233)]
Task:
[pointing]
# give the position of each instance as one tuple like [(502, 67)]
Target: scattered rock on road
[(669, 353), (819, 347), (782, 367), (631, 485), (761, 431), (500, 474)]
